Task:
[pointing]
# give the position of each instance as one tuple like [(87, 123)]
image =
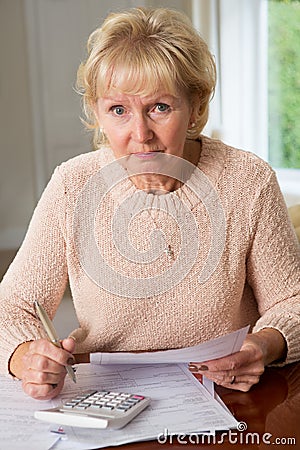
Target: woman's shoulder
[(77, 170), (234, 161), (88, 161)]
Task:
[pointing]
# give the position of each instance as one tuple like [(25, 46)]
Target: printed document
[(179, 404)]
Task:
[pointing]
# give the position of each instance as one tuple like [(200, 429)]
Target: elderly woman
[(168, 238)]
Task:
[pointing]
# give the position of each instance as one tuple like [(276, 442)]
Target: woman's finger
[(45, 348), (242, 382), (38, 377), (69, 344), (252, 369), (42, 391), (42, 364)]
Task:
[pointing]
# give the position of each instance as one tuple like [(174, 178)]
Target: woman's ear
[(195, 103), (192, 121), (193, 109)]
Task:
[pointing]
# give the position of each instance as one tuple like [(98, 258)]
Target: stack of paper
[(180, 404)]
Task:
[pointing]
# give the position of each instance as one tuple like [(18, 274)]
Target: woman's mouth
[(146, 155)]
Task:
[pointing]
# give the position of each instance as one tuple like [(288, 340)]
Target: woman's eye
[(118, 110), (162, 107)]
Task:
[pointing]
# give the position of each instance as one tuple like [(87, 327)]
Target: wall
[(16, 145), (32, 139)]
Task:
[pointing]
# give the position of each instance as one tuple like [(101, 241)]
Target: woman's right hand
[(43, 367)]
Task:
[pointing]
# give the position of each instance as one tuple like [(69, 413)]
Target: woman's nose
[(141, 129)]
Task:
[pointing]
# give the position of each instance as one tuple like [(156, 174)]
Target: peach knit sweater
[(256, 280)]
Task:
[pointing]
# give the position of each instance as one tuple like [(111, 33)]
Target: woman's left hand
[(241, 370)]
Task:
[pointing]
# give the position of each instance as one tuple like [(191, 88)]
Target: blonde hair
[(141, 51)]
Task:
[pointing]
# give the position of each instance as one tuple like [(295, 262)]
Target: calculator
[(96, 409)]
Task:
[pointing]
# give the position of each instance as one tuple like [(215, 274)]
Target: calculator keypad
[(100, 402)]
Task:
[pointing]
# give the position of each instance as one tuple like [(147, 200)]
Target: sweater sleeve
[(273, 266), (39, 271)]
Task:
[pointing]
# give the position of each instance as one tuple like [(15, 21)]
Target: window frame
[(237, 34)]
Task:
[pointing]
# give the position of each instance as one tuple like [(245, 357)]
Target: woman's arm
[(271, 343), (273, 272), (16, 360), (39, 271)]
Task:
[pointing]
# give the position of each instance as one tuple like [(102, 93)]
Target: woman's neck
[(156, 182)]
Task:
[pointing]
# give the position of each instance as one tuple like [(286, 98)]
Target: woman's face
[(141, 126)]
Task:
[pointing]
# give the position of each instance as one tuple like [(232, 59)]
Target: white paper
[(213, 349), (179, 403), (19, 429)]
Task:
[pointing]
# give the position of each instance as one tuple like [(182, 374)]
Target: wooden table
[(270, 410)]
